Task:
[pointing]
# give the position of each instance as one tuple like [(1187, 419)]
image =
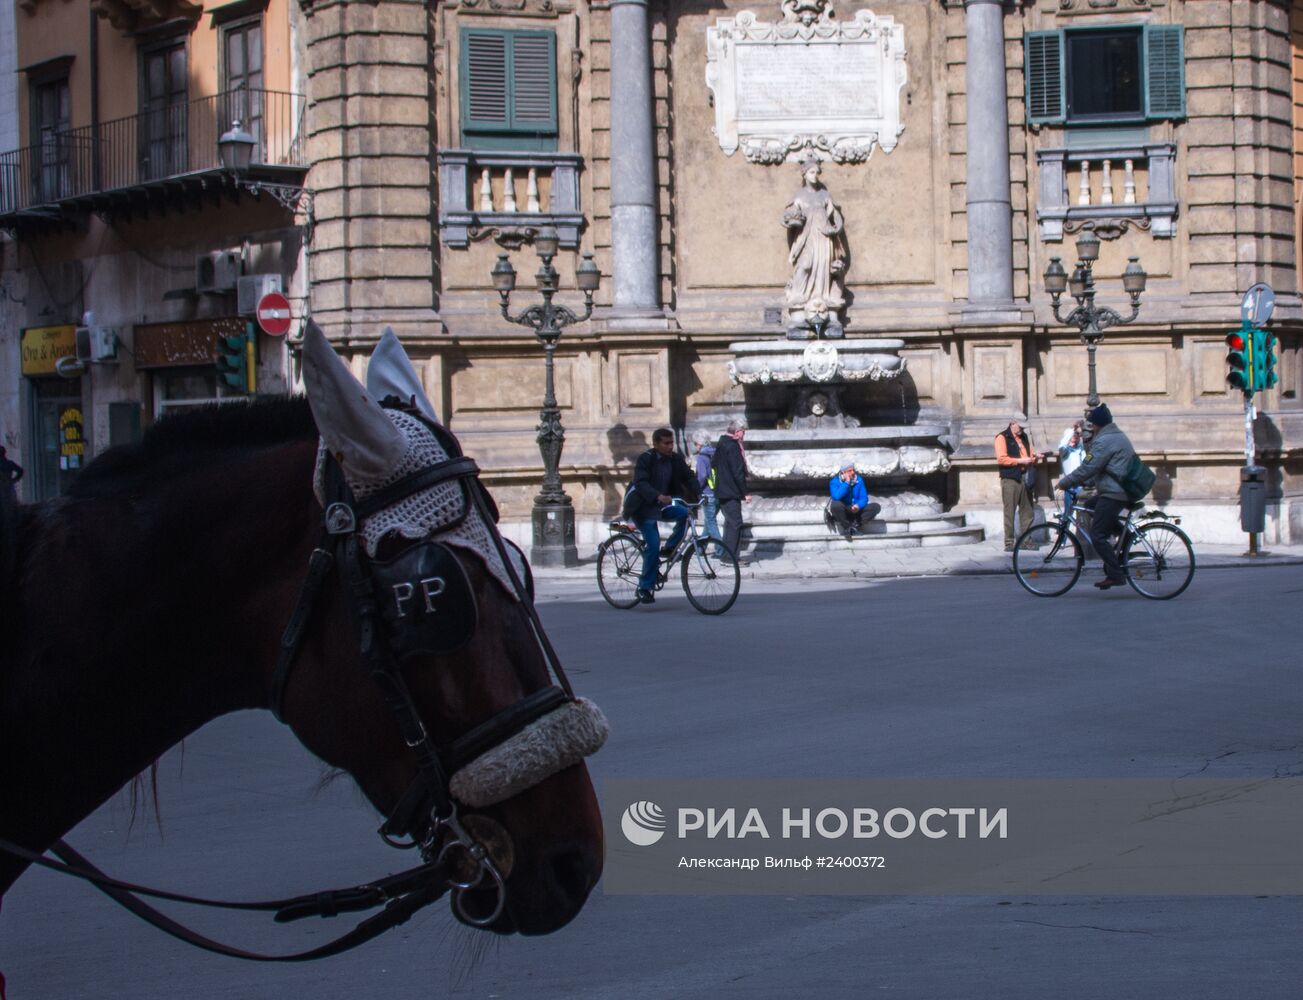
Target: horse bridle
[(426, 814), (427, 811)]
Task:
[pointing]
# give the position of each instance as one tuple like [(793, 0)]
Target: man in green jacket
[(1108, 456)]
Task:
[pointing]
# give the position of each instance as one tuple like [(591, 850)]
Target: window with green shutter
[(508, 89), (1105, 75)]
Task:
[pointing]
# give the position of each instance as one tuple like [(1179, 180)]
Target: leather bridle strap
[(414, 805), (384, 671), (440, 472), (401, 894), (319, 564)]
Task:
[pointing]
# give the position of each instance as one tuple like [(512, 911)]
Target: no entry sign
[(274, 314)]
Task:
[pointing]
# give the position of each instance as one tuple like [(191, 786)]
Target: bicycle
[(1155, 554), (709, 569)]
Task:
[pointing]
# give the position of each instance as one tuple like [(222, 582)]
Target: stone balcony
[(1108, 187), (508, 196)]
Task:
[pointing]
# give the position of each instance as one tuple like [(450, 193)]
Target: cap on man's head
[(848, 464), (1018, 418), (1100, 416)]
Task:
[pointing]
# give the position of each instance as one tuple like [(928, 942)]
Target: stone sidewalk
[(989, 557)]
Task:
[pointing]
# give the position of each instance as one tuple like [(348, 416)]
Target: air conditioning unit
[(217, 271), (252, 287), (97, 343)]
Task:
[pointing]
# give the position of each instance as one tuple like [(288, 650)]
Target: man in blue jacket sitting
[(850, 506)]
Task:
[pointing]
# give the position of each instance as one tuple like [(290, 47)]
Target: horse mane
[(175, 445), (192, 438)]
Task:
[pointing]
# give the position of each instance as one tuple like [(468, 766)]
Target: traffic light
[(233, 361), (1264, 360), (1239, 351)]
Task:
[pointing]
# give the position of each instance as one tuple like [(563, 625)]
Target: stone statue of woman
[(819, 255)]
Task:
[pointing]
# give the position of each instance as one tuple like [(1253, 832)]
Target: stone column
[(370, 145), (635, 208), (990, 216)]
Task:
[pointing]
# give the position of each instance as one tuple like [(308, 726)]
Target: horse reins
[(427, 809)]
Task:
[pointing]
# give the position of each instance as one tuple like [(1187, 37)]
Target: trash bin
[(1253, 499)]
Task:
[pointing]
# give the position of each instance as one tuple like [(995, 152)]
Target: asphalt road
[(956, 677)]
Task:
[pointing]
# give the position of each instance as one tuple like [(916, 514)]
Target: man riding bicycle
[(1108, 456), (658, 478)]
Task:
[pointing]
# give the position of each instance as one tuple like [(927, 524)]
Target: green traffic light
[(231, 362), (1268, 360)]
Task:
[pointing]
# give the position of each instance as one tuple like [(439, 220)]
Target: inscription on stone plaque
[(771, 88), (806, 84)]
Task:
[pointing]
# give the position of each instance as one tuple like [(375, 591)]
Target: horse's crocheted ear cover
[(544, 747)]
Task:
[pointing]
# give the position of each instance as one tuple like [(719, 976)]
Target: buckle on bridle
[(340, 519)]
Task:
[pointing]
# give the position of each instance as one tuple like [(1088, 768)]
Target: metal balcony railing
[(159, 143)]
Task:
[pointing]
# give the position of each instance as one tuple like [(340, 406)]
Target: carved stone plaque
[(806, 83)]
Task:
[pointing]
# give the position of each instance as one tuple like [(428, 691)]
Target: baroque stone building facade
[(977, 143), (949, 231)]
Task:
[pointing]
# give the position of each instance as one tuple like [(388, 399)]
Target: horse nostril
[(573, 871)]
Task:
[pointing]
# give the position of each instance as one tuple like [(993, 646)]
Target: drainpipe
[(95, 98)]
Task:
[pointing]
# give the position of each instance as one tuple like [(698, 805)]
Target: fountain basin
[(763, 362), (878, 452)]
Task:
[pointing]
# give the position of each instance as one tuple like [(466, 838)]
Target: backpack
[(630, 502), (1138, 480)]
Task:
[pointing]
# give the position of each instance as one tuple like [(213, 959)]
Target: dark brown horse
[(154, 598)]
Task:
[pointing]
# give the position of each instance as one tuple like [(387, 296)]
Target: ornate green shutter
[(1164, 71), (1043, 68), (508, 89), (484, 90), (533, 83)]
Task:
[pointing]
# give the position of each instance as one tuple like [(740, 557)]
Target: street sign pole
[(1255, 312), (1249, 466)]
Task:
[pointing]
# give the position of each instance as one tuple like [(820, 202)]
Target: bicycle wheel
[(1047, 562), (710, 576), (1159, 561), (619, 565)]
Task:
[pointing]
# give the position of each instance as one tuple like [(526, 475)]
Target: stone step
[(807, 528), (953, 535)]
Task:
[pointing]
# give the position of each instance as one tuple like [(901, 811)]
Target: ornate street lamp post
[(554, 517), (1090, 319)]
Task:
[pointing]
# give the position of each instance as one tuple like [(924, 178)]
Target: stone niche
[(730, 244), (807, 82)]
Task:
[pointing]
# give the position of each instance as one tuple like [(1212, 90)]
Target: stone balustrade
[(1108, 188), (509, 196)]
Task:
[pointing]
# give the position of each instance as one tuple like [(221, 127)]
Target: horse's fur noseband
[(550, 744)]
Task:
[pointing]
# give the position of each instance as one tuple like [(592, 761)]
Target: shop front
[(56, 419)]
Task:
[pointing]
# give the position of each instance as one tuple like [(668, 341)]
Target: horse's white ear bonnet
[(377, 447), (391, 373)]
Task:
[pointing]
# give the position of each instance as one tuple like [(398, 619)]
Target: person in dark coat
[(709, 506), (10, 473), (1108, 456), (731, 481), (659, 477)]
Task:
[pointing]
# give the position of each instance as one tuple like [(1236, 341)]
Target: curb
[(586, 571)]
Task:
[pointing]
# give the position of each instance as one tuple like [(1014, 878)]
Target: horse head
[(424, 671)]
